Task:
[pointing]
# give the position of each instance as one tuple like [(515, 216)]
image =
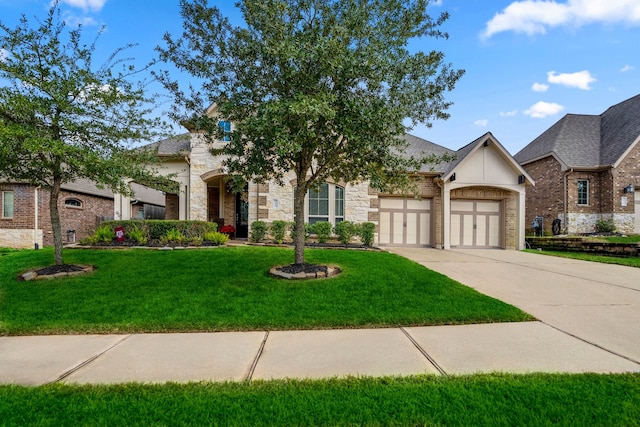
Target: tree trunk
[(55, 220), (298, 212)]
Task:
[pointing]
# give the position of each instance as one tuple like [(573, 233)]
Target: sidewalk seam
[(424, 352), (88, 361), (257, 358), (591, 343)]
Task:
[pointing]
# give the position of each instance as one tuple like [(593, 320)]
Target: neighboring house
[(475, 201), (25, 218), (587, 168)]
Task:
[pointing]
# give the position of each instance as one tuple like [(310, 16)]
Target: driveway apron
[(594, 302)]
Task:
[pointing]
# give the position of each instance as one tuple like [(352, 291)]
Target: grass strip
[(479, 400), (229, 289), (628, 261)]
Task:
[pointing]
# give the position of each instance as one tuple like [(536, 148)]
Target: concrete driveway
[(597, 303)]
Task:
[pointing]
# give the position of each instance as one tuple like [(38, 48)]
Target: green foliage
[(345, 230), (173, 236), (136, 235), (605, 226), (366, 232), (278, 230), (258, 231), (292, 231), (63, 118), (216, 237), (104, 234), (321, 88), (322, 230), (190, 229)]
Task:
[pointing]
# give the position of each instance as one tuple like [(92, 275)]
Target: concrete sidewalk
[(589, 322)]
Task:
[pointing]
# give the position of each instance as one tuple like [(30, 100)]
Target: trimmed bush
[(366, 232), (278, 230), (154, 229), (292, 231), (322, 230), (258, 231), (345, 230), (605, 226)]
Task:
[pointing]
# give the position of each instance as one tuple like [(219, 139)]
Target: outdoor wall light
[(628, 189)]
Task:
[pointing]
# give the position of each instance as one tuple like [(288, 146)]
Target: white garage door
[(405, 222), (475, 224)]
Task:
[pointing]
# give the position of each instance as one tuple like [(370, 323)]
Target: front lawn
[(228, 288), (479, 400)]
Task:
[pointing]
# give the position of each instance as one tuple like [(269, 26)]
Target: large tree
[(323, 88), (62, 118)]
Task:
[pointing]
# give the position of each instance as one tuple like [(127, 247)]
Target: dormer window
[(73, 203), (225, 126)]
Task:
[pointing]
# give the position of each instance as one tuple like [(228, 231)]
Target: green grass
[(628, 261), (632, 238), (229, 289), (479, 400)]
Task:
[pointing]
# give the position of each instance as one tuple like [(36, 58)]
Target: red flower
[(227, 229)]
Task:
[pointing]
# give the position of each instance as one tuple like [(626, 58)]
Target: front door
[(242, 214)]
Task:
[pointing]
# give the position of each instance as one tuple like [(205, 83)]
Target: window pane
[(226, 128), (583, 192), (323, 207), (339, 203), (7, 204)]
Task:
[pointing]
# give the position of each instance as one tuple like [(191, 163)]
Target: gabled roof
[(418, 147), (177, 145), (588, 141)]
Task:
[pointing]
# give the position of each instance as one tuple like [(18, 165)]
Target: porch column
[(446, 216), (521, 220)]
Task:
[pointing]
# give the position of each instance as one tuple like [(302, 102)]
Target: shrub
[(258, 231), (345, 231), (136, 235), (216, 237), (174, 236), (292, 230), (196, 241), (605, 226), (104, 234), (366, 232), (322, 230), (278, 230)]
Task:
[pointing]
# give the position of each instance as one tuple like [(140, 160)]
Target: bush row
[(344, 231), (141, 232)]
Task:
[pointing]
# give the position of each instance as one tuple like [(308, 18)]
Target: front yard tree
[(323, 88), (62, 118)]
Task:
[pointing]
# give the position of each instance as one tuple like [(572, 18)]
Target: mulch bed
[(55, 269)]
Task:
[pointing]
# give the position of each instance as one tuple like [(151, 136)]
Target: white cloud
[(580, 80), (542, 109), (86, 5), (481, 123), (535, 17), (539, 87), (627, 68), (508, 113)]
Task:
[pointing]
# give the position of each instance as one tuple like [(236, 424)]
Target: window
[(7, 204), (73, 203), (225, 126), (583, 192), (326, 203)]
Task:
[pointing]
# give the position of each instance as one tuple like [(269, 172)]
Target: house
[(25, 218), (475, 201), (586, 168)]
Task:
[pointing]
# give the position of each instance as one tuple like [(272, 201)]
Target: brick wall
[(23, 207), (172, 204), (546, 198)]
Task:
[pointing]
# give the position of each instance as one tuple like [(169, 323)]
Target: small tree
[(62, 118), (320, 88)]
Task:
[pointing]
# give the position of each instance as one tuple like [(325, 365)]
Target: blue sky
[(527, 62)]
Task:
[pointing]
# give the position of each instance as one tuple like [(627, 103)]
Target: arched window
[(325, 203), (72, 203)]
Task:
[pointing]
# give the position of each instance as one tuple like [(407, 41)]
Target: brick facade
[(81, 219)]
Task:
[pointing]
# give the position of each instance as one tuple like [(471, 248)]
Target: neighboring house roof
[(588, 141), (86, 186), (147, 195), (177, 145)]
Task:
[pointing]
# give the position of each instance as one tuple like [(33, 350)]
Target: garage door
[(405, 222), (476, 224)]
